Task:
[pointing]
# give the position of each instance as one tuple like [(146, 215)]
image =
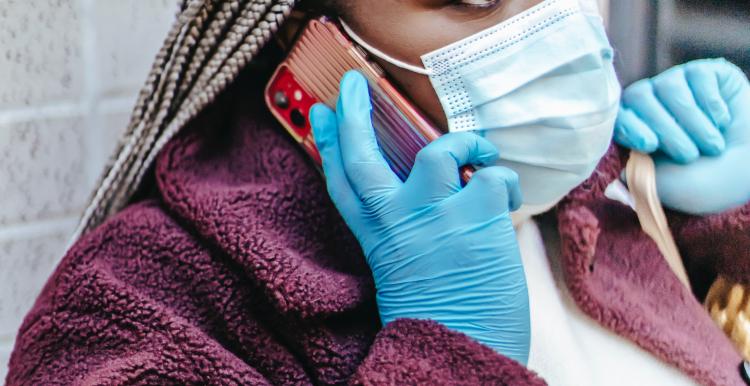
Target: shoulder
[(121, 255)]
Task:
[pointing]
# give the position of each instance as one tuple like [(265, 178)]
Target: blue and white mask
[(541, 86)]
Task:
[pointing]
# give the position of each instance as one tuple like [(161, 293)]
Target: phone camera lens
[(298, 119), (281, 100)]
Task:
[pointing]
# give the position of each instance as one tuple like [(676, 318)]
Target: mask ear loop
[(382, 55)]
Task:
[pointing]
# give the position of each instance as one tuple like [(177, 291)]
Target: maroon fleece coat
[(237, 269)]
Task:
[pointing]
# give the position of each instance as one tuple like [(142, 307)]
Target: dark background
[(653, 35)]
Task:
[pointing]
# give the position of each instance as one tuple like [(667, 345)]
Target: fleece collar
[(617, 276)]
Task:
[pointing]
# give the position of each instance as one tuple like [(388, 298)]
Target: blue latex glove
[(696, 117), (437, 251)]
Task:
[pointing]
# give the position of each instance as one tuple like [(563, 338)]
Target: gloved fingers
[(491, 191), (703, 78), (672, 90), (633, 133), (325, 131), (732, 81), (366, 168), (436, 172), (672, 139)]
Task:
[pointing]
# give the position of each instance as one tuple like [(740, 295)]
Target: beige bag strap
[(727, 302), (640, 174), (208, 45)]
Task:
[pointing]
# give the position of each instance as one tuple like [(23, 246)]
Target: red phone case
[(311, 74)]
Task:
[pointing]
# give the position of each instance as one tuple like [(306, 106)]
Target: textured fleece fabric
[(238, 270), (617, 275)]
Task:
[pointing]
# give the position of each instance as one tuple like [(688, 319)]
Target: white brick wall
[(70, 71)]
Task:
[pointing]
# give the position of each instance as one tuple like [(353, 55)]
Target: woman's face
[(408, 29)]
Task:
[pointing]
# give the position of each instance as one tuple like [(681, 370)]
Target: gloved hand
[(697, 116), (437, 251)]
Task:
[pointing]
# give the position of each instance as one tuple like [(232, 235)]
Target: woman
[(236, 268)]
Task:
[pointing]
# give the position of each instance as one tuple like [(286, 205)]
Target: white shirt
[(567, 347)]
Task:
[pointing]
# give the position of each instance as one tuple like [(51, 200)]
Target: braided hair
[(204, 51)]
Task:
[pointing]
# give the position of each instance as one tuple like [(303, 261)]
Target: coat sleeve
[(416, 352)]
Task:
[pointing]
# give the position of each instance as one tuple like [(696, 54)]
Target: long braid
[(204, 43), (208, 45), (189, 27), (227, 73), (167, 105), (143, 130), (95, 211), (247, 21)]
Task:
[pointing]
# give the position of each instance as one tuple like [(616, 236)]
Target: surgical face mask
[(540, 86)]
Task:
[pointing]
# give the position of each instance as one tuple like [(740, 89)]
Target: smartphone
[(311, 73)]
